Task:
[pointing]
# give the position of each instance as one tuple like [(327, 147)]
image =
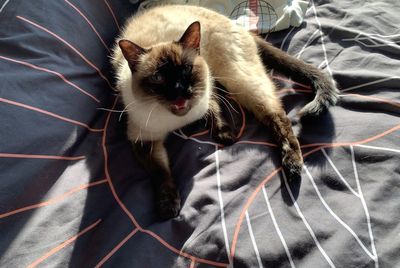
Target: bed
[(72, 194)]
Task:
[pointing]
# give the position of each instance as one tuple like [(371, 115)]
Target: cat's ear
[(131, 51), (191, 37)]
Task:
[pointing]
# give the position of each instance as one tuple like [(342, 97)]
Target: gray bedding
[(72, 194)]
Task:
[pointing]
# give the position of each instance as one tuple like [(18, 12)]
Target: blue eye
[(157, 77)]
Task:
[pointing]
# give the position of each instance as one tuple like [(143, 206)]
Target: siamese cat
[(167, 60)]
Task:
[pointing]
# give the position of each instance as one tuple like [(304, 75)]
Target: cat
[(167, 60)]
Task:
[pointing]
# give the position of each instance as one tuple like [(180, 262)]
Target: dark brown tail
[(326, 92)]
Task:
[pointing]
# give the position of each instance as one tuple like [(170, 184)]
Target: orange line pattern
[(394, 103), (339, 144), (52, 200), (49, 114), (63, 245), (192, 263), (200, 133), (290, 81), (112, 14), (258, 143), (41, 156), (293, 90), (246, 206), (116, 248), (51, 72), (68, 45), (90, 24)]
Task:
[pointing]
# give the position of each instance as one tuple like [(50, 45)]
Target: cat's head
[(172, 73)]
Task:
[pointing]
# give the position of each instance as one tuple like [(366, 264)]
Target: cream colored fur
[(230, 56), (229, 51)]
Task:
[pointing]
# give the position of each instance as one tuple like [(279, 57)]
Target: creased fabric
[(72, 194)]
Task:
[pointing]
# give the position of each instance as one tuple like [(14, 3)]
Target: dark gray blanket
[(72, 194)]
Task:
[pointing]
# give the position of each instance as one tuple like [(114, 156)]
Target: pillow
[(261, 16)]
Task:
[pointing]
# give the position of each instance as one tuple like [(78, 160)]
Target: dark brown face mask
[(175, 78)]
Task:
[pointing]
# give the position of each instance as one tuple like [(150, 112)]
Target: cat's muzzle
[(180, 106)]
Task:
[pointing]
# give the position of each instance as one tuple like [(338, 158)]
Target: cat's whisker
[(151, 146), (151, 111), (227, 102), (230, 113), (135, 102), (109, 110), (116, 111), (219, 98), (125, 110), (227, 92), (226, 105), (139, 136)]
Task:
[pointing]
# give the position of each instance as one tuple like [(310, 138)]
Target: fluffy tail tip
[(320, 104)]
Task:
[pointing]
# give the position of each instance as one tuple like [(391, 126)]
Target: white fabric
[(261, 16)]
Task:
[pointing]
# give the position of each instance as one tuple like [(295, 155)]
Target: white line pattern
[(286, 37), (338, 173), (4, 5), (374, 39), (306, 223), (309, 41), (253, 240), (183, 136), (370, 83), (322, 39), (336, 216), (278, 230), (378, 148), (365, 208), (221, 204)]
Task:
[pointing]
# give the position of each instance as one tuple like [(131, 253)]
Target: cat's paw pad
[(225, 136), (168, 202), (292, 163)]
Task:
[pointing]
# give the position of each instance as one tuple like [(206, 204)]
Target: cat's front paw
[(168, 202), (292, 161), (224, 136)]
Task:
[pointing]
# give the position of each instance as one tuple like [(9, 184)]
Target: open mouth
[(180, 106)]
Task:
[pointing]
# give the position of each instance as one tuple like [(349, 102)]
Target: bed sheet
[(72, 194)]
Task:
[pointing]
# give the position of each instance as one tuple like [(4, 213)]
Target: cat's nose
[(178, 85)]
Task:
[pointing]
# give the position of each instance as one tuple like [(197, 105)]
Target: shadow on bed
[(314, 130), (133, 192)]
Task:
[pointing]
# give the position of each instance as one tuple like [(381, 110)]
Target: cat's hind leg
[(254, 90)]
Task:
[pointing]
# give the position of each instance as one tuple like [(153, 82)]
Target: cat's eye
[(157, 77), (187, 69)]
